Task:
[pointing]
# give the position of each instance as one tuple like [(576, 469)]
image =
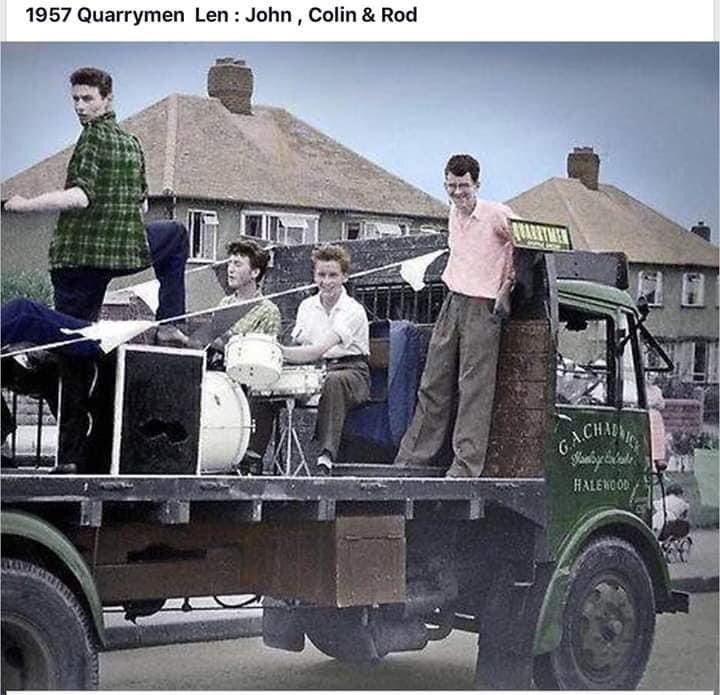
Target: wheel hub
[(605, 630), (25, 658)]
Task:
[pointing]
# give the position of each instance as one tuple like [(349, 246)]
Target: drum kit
[(253, 362)]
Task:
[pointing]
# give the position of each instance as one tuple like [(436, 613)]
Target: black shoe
[(171, 336), (252, 464)]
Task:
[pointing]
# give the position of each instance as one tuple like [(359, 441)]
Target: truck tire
[(341, 634), (47, 639), (608, 622)]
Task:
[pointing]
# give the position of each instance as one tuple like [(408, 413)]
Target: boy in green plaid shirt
[(100, 232), (100, 235)]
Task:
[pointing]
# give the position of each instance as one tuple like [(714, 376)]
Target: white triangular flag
[(413, 270), (149, 292), (111, 333)]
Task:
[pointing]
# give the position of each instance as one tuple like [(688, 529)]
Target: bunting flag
[(413, 270), (149, 292), (110, 334)]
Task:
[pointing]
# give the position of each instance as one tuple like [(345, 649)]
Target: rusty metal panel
[(522, 337), (523, 401), (523, 367), (517, 458), (524, 395)]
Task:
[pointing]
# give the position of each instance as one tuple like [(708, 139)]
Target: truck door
[(599, 450)]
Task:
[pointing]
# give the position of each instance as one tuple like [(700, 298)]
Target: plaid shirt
[(108, 164), (264, 317)]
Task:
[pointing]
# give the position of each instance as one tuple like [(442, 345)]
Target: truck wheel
[(341, 634), (608, 622), (47, 640)]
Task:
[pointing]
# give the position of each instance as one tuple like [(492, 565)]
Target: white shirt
[(347, 320), (675, 507)]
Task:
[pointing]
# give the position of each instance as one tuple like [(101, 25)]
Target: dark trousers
[(80, 291), (27, 321), (459, 370), (346, 386), (263, 413)]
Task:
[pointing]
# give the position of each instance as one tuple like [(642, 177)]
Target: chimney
[(231, 81), (702, 230), (584, 164)]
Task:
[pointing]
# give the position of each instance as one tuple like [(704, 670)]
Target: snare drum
[(225, 424), (254, 359), (300, 381)]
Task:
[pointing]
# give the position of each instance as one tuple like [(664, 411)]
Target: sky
[(650, 110)]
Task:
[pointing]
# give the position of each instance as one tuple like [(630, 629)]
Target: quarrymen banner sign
[(540, 236)]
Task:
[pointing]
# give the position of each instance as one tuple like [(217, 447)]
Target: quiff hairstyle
[(256, 254), (333, 253), (93, 77), (461, 164)]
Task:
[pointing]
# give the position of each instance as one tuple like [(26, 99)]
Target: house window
[(712, 363), (650, 286), (353, 230), (373, 229), (283, 228), (253, 226), (203, 229), (693, 287), (699, 361)]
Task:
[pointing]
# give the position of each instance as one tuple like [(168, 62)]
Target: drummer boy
[(333, 327), (246, 267)]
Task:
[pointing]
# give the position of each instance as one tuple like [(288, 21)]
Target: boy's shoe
[(324, 464)]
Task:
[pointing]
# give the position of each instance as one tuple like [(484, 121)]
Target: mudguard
[(548, 631), (37, 530)]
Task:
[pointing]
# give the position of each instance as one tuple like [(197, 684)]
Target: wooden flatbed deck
[(177, 500)]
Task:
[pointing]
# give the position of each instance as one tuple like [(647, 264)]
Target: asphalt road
[(685, 657)]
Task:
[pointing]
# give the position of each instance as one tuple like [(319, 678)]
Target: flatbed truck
[(548, 556)]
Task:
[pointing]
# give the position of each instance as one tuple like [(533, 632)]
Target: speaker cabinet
[(158, 395)]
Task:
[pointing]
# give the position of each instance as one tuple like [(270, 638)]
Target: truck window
[(583, 375), (631, 386)]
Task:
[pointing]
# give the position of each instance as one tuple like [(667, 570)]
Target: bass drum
[(225, 424)]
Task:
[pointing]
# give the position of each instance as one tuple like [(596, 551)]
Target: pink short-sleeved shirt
[(481, 250)]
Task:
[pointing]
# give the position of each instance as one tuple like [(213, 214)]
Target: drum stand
[(283, 465)]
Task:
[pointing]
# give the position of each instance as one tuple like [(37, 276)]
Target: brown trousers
[(346, 386), (460, 369)]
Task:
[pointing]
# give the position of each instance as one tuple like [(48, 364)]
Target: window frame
[(605, 326), (695, 374), (192, 231), (658, 301), (701, 292), (310, 233), (364, 223)]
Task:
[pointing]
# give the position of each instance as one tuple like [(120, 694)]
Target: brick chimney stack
[(231, 81), (584, 164), (702, 230)]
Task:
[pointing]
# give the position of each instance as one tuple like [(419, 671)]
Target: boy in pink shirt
[(462, 356)]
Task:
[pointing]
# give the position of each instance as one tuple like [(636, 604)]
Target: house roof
[(608, 219), (196, 148)]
